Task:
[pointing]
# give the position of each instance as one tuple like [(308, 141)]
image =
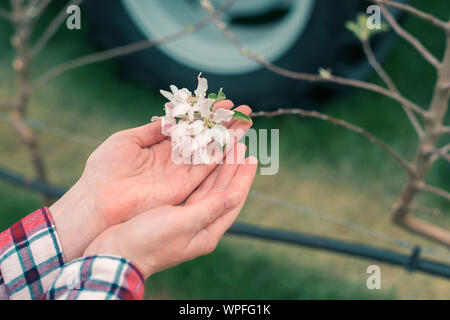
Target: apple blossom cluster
[(196, 131)]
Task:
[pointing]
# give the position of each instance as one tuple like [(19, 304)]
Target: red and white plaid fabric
[(32, 266)]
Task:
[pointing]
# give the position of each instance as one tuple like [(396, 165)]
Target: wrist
[(76, 221), (114, 242)]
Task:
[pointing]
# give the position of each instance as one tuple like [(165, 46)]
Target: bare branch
[(410, 38), (31, 142), (415, 12), (128, 49), (446, 148), (425, 229), (442, 153), (52, 28), (445, 130), (390, 84), (207, 5), (342, 123), (434, 190), (37, 7)]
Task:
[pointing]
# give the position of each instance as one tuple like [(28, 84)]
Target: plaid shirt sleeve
[(30, 257), (32, 266), (100, 277)]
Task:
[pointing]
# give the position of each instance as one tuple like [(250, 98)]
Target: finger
[(241, 184), (237, 130), (204, 188), (244, 109), (224, 104), (234, 158), (199, 172), (204, 212), (219, 179), (148, 134)]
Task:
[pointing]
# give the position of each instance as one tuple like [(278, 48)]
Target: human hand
[(130, 173), (169, 235)]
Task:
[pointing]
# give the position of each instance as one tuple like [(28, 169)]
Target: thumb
[(204, 212)]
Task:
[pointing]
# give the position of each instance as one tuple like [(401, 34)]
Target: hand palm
[(132, 172)]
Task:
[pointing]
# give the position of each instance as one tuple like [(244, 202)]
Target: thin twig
[(434, 190), (342, 123), (128, 49), (52, 28), (441, 153), (305, 76), (390, 84), (446, 148), (410, 39), (37, 7), (415, 12)]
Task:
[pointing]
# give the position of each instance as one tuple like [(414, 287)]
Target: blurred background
[(337, 175)]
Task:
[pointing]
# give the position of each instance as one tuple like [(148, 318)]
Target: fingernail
[(232, 200)]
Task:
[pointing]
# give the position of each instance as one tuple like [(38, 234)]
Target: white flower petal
[(179, 131), (203, 138), (196, 127), (204, 107), (167, 124), (191, 113), (202, 87), (220, 134), (180, 109), (168, 107), (174, 89), (182, 95), (169, 96), (223, 115)]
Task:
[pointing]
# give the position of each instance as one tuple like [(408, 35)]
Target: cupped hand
[(169, 235), (130, 173)]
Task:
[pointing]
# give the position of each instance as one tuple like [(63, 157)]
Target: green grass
[(322, 167)]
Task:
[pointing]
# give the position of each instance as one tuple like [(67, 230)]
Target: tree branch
[(208, 6), (390, 84), (52, 28), (434, 190), (442, 153), (128, 49), (433, 119), (342, 123), (426, 230), (415, 12), (37, 7), (409, 38)]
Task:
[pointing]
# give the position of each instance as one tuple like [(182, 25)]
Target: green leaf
[(325, 73), (241, 116), (221, 95), (212, 96), (360, 29)]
